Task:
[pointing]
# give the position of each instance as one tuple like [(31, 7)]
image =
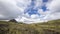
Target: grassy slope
[(52, 27)]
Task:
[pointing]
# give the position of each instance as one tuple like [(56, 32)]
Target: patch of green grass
[(51, 27)]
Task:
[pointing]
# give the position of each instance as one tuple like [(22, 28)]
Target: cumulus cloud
[(52, 13), (54, 8), (10, 9)]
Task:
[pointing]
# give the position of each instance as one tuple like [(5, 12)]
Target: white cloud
[(54, 8), (38, 4), (51, 14), (34, 16), (10, 9)]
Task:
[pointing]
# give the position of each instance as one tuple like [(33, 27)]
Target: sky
[(30, 11)]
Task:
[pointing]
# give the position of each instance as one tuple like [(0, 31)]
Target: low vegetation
[(50, 27)]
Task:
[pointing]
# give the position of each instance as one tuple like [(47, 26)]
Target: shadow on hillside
[(47, 31), (3, 29)]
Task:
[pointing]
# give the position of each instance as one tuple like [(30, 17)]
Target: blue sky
[(44, 8), (45, 0), (30, 10)]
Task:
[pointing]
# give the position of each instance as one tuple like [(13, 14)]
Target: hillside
[(50, 27)]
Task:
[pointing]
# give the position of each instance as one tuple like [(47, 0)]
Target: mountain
[(50, 27)]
